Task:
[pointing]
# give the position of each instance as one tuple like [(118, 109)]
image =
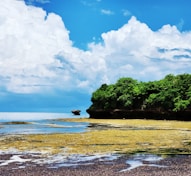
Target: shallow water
[(76, 160), (139, 160), (38, 123), (60, 160), (55, 161), (43, 127)]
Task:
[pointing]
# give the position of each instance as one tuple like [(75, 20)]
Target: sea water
[(39, 123)]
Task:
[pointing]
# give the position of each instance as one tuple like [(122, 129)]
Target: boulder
[(76, 112)]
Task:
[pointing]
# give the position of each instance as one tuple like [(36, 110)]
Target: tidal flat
[(108, 136)]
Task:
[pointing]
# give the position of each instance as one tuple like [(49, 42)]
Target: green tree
[(173, 93), (104, 97), (124, 91)]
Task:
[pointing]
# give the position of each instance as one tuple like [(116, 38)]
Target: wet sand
[(174, 166)]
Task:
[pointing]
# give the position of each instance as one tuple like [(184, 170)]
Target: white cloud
[(138, 46), (39, 1), (107, 12), (87, 3), (29, 41), (126, 12), (180, 25), (36, 54)]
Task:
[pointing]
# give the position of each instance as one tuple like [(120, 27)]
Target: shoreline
[(106, 148), (174, 166)]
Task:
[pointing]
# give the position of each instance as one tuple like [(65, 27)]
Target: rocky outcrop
[(76, 112), (139, 114)]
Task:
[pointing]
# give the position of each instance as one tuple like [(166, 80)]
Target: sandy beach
[(171, 166)]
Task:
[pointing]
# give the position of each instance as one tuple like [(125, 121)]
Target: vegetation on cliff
[(171, 94)]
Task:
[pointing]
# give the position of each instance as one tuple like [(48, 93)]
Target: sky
[(55, 53)]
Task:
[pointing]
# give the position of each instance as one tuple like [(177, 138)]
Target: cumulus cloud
[(29, 41), (37, 55), (137, 46)]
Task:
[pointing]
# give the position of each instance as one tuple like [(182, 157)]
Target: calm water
[(39, 123)]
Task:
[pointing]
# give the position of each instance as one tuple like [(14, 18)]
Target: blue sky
[(88, 19), (55, 53)]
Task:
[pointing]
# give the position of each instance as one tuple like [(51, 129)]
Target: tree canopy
[(173, 93)]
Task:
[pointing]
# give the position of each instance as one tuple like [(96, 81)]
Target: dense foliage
[(173, 93)]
